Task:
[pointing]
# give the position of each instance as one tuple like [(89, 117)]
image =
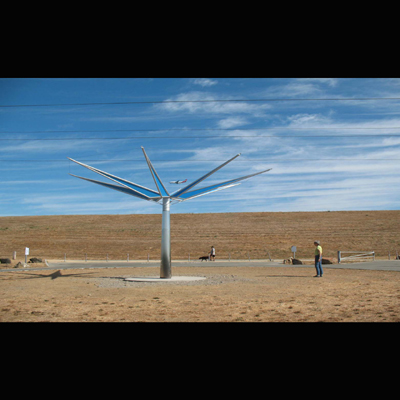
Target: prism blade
[(120, 188), (141, 189), (186, 188), (160, 186)]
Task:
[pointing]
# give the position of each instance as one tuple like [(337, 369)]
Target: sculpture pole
[(165, 268)]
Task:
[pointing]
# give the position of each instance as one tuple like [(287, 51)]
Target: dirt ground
[(235, 235), (229, 294)]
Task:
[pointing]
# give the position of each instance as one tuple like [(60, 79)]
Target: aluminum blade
[(160, 186), (186, 188), (141, 189), (120, 188)]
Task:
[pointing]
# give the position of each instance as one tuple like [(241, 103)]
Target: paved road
[(381, 265), (393, 265)]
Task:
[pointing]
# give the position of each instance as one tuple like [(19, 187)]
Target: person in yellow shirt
[(318, 259)]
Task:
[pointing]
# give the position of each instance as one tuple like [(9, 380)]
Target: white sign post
[(294, 249), (26, 254)]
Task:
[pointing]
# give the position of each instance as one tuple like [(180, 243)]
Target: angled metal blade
[(186, 188), (212, 188), (120, 188), (149, 193), (202, 192), (160, 186)]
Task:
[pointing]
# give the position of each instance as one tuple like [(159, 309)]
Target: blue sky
[(347, 159)]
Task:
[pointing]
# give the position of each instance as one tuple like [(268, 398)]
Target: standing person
[(212, 254), (318, 259)]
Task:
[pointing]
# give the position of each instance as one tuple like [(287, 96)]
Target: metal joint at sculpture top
[(162, 196)]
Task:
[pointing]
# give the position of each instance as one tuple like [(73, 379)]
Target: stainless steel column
[(165, 269)]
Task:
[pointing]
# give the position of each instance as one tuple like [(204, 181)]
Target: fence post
[(148, 257), (374, 255), (338, 257)]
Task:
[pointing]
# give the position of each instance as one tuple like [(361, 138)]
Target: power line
[(208, 161), (197, 101), (203, 137), (201, 129)]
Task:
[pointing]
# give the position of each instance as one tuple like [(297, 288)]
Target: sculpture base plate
[(172, 279)]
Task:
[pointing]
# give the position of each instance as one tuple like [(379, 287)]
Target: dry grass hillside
[(237, 234)]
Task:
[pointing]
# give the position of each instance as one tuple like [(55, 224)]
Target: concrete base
[(172, 279)]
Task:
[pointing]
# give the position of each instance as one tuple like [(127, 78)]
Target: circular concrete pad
[(172, 279)]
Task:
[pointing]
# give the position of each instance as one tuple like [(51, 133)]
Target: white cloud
[(195, 102), (329, 81), (308, 120), (36, 148), (205, 82), (232, 122), (293, 89)]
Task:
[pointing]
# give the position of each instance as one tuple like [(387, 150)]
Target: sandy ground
[(239, 235), (229, 294)]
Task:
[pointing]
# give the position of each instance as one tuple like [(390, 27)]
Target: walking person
[(318, 259), (212, 254)]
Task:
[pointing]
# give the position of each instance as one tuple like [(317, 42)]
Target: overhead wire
[(199, 161), (197, 137), (178, 137), (203, 136), (203, 129), (198, 101)]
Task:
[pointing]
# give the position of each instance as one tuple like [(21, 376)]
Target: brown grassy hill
[(239, 234)]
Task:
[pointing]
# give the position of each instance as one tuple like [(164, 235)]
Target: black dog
[(203, 258)]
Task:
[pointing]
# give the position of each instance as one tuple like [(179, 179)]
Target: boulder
[(35, 260)]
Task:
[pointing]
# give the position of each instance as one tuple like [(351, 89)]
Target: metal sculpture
[(162, 196)]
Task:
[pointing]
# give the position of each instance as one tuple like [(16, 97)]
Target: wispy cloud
[(231, 122), (205, 82), (37, 148), (194, 104)]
